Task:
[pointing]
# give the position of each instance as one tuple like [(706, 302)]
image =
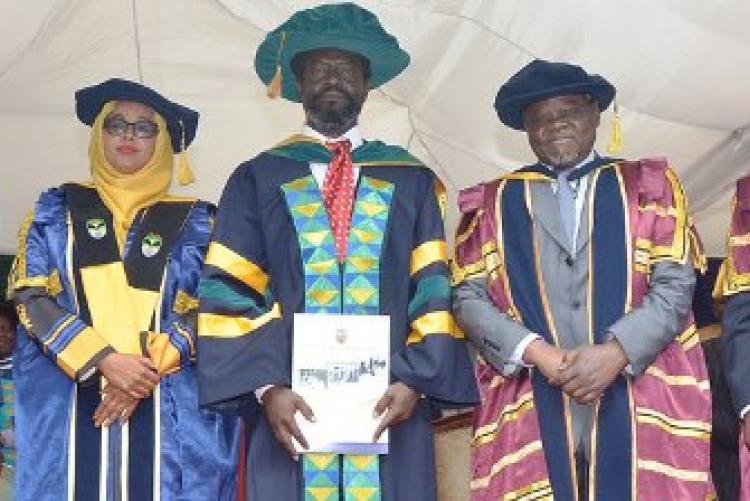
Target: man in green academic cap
[(329, 223)]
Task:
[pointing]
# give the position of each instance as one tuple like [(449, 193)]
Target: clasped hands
[(281, 404), (130, 378), (583, 373)]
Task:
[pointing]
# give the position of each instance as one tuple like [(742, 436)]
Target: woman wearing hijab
[(104, 284)]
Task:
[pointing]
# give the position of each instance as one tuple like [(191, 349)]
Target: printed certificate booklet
[(340, 366)]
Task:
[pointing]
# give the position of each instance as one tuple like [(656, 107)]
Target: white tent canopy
[(681, 67)]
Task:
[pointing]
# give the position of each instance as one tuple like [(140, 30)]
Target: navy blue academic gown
[(258, 273)]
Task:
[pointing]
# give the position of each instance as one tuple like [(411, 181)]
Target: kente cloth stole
[(95, 251), (351, 288)]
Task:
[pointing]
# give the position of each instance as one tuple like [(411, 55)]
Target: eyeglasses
[(118, 126)]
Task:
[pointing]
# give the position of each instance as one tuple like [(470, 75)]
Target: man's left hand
[(587, 372), (399, 400)]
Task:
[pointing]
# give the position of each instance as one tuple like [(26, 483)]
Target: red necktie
[(338, 193)]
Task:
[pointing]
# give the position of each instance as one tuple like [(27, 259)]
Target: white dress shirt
[(320, 170)]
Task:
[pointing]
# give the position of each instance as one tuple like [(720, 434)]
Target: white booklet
[(340, 366)]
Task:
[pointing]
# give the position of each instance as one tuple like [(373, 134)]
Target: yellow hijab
[(126, 194)]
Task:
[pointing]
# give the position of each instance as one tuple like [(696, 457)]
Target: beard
[(564, 158), (330, 117)]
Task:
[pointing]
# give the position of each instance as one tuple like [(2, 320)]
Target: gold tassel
[(274, 86), (185, 174), (615, 140)]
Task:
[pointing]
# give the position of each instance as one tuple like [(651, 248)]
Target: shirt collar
[(354, 135)]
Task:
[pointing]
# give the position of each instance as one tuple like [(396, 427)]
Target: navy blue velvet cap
[(540, 80), (89, 102)]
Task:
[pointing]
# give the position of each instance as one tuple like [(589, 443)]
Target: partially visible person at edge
[(574, 280), (327, 222), (733, 287), (8, 324), (104, 284), (725, 427)]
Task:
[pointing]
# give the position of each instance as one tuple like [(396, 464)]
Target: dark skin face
[(7, 337), (333, 89), (562, 129)]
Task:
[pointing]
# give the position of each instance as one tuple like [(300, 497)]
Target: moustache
[(336, 88)]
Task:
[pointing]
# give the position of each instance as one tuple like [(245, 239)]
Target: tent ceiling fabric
[(682, 69)]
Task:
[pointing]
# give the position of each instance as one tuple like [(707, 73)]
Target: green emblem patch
[(97, 228), (151, 245)]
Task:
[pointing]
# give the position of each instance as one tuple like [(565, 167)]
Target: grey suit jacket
[(644, 332)]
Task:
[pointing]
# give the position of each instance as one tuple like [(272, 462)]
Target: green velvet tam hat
[(344, 26)]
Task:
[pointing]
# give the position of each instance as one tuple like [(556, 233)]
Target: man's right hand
[(545, 358), (133, 374), (281, 404)]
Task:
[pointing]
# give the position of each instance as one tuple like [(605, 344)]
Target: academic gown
[(272, 255), (169, 449)]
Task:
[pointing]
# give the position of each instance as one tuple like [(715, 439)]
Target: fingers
[(588, 398), (399, 410), (149, 364), (554, 379), (584, 391), (383, 424), (134, 375), (125, 414), (294, 430), (285, 439), (101, 407), (382, 404), (144, 380), (285, 426), (135, 389), (566, 377), (103, 412), (112, 407), (581, 393), (569, 359), (150, 373), (284, 431), (305, 409)]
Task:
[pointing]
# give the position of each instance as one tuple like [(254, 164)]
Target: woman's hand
[(116, 405), (133, 374)]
